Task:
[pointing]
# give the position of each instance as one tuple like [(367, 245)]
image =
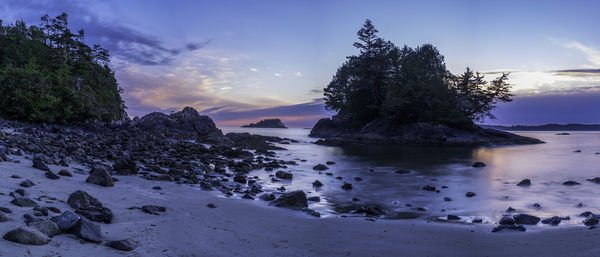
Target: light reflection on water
[(547, 165)]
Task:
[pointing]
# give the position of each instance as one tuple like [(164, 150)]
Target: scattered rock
[(240, 179), (429, 188), (88, 231), (39, 162), (5, 210), (211, 205), (47, 227), (294, 200), (470, 194), (571, 183), (595, 180), (27, 236), (401, 171), (100, 176), (511, 209), (51, 175), (526, 219), (65, 173), (247, 196), (536, 205), (314, 199), (24, 202), (27, 183), (4, 217), (452, 217), (330, 163), (524, 182), (157, 188), (320, 167), (122, 245), (283, 175), (317, 183), (447, 199), (347, 186), (506, 220), (66, 220), (591, 220), (478, 164), (510, 227), (153, 209), (554, 220)]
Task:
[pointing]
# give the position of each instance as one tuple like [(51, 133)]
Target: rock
[(153, 209), (39, 162), (5, 210), (595, 180), (27, 183), (330, 162), (320, 167), (186, 124), (585, 214), (312, 212), (27, 236), (88, 231), (4, 217), (99, 214), (447, 199), (571, 183), (317, 183), (293, 200), (401, 171), (429, 188), (510, 209), (66, 220), (268, 197), (526, 219), (211, 205), (47, 227), (402, 215), (283, 175), (24, 202), (157, 188), (524, 182), (591, 220), (478, 164), (536, 205), (452, 217), (65, 173), (51, 175), (82, 200), (554, 220), (122, 245), (477, 220), (20, 191), (470, 194), (506, 220), (100, 176), (510, 227), (247, 196), (347, 186), (125, 165), (240, 179), (314, 199)]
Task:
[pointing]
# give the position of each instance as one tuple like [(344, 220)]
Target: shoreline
[(237, 227)]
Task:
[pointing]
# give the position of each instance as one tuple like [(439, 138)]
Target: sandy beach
[(239, 227)]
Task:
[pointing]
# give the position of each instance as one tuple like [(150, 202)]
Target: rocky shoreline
[(334, 132)]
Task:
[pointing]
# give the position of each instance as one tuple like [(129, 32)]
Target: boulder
[(186, 124), (47, 227), (320, 167), (153, 209), (591, 220), (88, 231), (554, 220), (39, 162), (82, 200), (509, 227), (571, 183), (24, 202), (122, 245), (4, 217), (27, 236), (317, 183), (100, 176), (27, 183), (524, 182), (526, 219), (125, 165), (347, 186), (66, 220), (51, 175), (65, 173), (293, 200), (283, 175), (470, 194), (452, 217), (507, 220), (429, 188)]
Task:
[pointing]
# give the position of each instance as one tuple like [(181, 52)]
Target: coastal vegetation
[(407, 85), (49, 74)]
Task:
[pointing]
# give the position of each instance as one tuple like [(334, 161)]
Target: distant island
[(266, 123), (389, 94), (547, 127)]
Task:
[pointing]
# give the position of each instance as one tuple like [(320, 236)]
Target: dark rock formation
[(266, 123), (526, 219), (27, 236), (293, 200), (186, 124), (100, 176)]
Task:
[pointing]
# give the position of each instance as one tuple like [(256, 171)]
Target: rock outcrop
[(186, 124)]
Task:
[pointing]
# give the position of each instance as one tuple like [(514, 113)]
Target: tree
[(477, 98)]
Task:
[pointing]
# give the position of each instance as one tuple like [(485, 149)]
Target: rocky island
[(266, 123)]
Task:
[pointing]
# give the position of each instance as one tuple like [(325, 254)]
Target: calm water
[(547, 165)]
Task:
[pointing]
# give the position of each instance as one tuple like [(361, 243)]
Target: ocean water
[(546, 165)]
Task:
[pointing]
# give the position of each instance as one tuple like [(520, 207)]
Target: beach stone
[(554, 220), (511, 209), (99, 214), (153, 209), (330, 162), (28, 219), (20, 191), (51, 175), (536, 205), (27, 236), (594, 180), (429, 188), (591, 220), (268, 197), (88, 231), (24, 202), (27, 183), (571, 183), (294, 200), (526, 219), (66, 220), (122, 245), (312, 212), (447, 199), (5, 210), (524, 182), (478, 164), (211, 205), (470, 194), (82, 200), (47, 227), (283, 175), (585, 214), (39, 162), (477, 220), (347, 186), (320, 167), (100, 176), (65, 173), (240, 179), (125, 165), (510, 227), (452, 217), (317, 183), (4, 217), (506, 220), (53, 209)]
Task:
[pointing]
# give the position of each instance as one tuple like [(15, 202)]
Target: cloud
[(253, 69), (124, 43), (591, 54), (298, 74), (277, 75)]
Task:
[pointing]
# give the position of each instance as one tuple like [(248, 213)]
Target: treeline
[(408, 85), (49, 74)]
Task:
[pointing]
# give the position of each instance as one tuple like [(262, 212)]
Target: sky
[(241, 61)]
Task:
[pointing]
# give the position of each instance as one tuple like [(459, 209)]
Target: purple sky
[(240, 61)]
